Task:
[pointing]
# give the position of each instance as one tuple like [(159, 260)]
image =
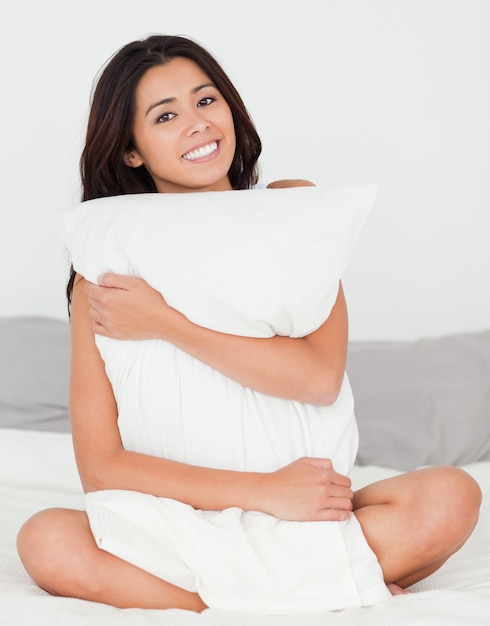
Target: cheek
[(227, 123), (157, 149)]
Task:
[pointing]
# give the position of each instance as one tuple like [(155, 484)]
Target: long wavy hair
[(110, 124)]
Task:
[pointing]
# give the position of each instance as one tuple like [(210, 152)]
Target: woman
[(165, 118)]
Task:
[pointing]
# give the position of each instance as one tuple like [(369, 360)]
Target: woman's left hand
[(126, 307)]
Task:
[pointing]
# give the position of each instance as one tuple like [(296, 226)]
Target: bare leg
[(416, 521), (412, 522), (58, 551)]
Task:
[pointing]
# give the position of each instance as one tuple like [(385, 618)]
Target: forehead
[(175, 78)]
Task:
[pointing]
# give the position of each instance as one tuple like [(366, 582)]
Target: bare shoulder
[(284, 184)]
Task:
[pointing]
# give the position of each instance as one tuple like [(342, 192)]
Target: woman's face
[(183, 129)]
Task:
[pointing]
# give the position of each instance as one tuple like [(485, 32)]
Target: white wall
[(387, 91)]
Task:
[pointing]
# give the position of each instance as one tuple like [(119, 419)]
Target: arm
[(308, 369), (307, 489)]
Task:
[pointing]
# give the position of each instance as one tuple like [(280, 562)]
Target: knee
[(459, 491), (47, 546), (33, 538), (39, 547), (467, 495), (454, 500)]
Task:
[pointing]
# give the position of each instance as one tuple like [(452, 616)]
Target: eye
[(165, 117), (204, 102)]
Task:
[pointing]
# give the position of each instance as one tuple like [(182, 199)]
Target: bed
[(417, 403)]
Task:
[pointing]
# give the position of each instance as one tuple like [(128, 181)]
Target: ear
[(132, 159)]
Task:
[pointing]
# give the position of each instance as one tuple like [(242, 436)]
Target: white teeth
[(201, 152)]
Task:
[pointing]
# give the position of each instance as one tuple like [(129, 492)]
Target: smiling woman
[(110, 133), (183, 129), (161, 523)]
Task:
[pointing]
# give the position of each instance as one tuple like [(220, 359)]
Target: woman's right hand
[(309, 490), (127, 307)]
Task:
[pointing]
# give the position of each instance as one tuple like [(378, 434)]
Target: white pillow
[(254, 263)]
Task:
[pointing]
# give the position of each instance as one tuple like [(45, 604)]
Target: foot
[(396, 590)]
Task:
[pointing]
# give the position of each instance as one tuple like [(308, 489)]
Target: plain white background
[(392, 92)]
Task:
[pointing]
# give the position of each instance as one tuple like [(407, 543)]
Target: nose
[(196, 122)]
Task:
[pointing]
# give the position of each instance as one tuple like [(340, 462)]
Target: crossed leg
[(412, 522), (59, 552)]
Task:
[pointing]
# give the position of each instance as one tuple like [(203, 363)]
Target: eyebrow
[(169, 100)]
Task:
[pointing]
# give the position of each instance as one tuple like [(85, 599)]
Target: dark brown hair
[(109, 129)]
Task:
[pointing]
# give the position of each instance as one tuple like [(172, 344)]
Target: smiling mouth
[(201, 152)]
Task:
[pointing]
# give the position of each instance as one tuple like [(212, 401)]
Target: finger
[(90, 288), (96, 294), (331, 515), (116, 281), (341, 480), (339, 491), (95, 300), (340, 504), (318, 462), (94, 315), (99, 329)]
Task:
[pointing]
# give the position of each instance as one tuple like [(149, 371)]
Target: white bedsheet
[(37, 470)]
